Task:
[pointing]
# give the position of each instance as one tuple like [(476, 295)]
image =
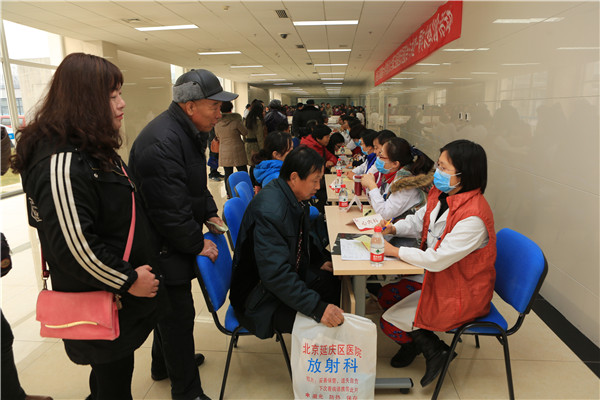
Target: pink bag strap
[(46, 273), (132, 225)]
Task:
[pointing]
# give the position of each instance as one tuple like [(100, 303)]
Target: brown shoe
[(32, 397)]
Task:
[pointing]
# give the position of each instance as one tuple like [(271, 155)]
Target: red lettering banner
[(442, 28)]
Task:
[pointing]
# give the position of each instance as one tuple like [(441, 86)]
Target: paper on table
[(353, 250), (365, 240), (367, 222)]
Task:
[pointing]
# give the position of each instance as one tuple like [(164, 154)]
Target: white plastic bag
[(334, 363)]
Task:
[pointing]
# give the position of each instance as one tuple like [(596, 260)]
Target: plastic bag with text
[(334, 363)]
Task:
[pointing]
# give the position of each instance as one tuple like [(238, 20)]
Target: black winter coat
[(82, 215), (303, 116), (273, 119), (169, 163), (264, 262)]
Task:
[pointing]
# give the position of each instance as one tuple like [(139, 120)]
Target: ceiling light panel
[(328, 50), (166, 28), (217, 53), (325, 23)]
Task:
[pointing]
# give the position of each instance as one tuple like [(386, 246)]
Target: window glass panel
[(30, 44)]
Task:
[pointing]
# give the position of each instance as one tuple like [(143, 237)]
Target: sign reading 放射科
[(442, 28)]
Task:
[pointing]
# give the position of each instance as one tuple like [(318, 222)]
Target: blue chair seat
[(494, 317), (231, 322)]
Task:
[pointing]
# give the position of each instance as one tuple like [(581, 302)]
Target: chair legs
[(502, 338), (285, 352), (232, 343)]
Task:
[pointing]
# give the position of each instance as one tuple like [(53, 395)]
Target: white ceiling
[(254, 28)]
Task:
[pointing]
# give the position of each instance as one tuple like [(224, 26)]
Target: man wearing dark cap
[(169, 164), (308, 112), (274, 117)]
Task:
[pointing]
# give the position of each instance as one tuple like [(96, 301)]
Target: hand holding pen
[(388, 227)]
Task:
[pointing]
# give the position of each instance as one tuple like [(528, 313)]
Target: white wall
[(539, 124)]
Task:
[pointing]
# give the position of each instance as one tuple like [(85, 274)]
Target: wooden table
[(332, 196), (341, 222)]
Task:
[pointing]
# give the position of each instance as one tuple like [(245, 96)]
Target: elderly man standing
[(169, 163)]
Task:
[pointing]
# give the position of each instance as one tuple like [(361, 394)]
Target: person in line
[(168, 159), (307, 113), (275, 275), (213, 157), (11, 387), (268, 161), (368, 150), (275, 117), (255, 124), (458, 251), (407, 176), (246, 111), (229, 131), (79, 200), (318, 141)]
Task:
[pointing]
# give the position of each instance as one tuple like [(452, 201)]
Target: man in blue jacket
[(169, 163), (276, 270)]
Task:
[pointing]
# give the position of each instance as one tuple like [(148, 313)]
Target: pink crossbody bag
[(81, 315)]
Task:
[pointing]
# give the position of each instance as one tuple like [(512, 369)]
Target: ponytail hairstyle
[(398, 149), (277, 141), (256, 112)]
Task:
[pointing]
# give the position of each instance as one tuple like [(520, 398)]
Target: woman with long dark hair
[(80, 202), (255, 124)]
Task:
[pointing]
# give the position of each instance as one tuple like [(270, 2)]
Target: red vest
[(463, 291)]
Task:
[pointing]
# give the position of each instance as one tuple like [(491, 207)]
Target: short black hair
[(385, 135), (302, 160), (469, 159), (226, 106), (367, 136), (356, 130), (320, 131)]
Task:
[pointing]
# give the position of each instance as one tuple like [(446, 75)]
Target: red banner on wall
[(442, 28)]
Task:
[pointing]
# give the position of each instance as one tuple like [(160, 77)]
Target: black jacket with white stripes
[(82, 215)]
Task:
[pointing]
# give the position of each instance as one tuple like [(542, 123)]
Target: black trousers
[(229, 171), (173, 346), (112, 381), (11, 387), (327, 285)]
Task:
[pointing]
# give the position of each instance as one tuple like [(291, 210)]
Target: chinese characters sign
[(442, 28)]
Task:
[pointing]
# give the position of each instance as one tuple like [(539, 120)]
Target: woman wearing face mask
[(458, 251), (406, 177), (368, 150)]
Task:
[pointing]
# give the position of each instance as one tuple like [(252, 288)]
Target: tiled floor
[(543, 366)]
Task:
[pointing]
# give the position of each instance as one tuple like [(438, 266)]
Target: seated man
[(276, 272)]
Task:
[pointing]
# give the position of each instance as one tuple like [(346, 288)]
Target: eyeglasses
[(446, 170)]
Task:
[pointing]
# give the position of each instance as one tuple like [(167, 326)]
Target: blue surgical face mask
[(441, 180), (379, 164)]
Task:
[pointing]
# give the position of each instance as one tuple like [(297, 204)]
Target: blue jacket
[(266, 171)]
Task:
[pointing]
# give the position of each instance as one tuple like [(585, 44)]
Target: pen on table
[(387, 223)]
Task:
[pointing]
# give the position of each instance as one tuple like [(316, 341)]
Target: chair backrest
[(244, 192), (520, 269), (215, 278), (237, 177), (233, 211)]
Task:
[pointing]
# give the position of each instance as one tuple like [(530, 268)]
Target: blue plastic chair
[(233, 211), (237, 177), (244, 192), (215, 281), (521, 268)]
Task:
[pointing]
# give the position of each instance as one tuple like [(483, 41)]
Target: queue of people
[(80, 191)]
